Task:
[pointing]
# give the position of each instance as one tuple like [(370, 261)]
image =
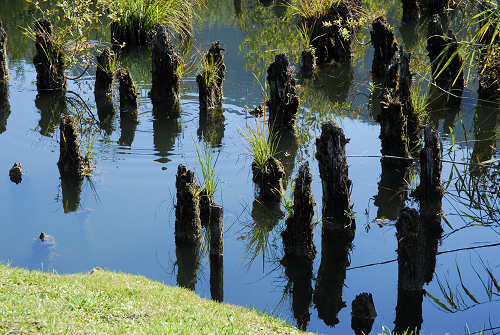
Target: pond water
[(123, 217)]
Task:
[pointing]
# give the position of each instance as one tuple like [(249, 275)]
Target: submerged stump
[(385, 46), (216, 230), (48, 60), (298, 235), (363, 314), (268, 179), (104, 75), (165, 79), (393, 127), (211, 79), (308, 61), (16, 173), (128, 93), (71, 162), (441, 48), (187, 209), (4, 61), (283, 101)]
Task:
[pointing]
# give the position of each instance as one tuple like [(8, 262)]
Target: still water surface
[(123, 218)]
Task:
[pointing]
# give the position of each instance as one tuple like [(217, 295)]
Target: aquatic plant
[(208, 161), (211, 70), (262, 143), (312, 8)]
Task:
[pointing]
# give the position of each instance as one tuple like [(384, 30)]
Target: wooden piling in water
[(216, 230), (363, 314), (165, 79), (384, 44), (71, 162), (187, 209), (104, 75), (4, 60), (298, 235), (268, 180), (128, 93), (48, 60), (217, 277), (430, 188), (211, 80), (393, 127), (335, 181), (283, 101)]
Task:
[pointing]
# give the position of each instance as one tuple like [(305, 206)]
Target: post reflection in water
[(217, 277), (211, 127), (128, 125), (71, 187), (363, 314), (165, 132), (392, 188), (188, 262), (51, 107), (486, 133), (444, 107), (4, 106), (287, 152), (106, 113)]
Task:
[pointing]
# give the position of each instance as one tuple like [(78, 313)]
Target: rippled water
[(123, 218)]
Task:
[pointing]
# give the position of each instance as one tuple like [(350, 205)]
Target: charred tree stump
[(268, 179), (216, 230), (211, 80), (16, 173), (410, 11), (165, 80), (283, 101), (363, 314), (328, 40), (385, 46), (298, 235), (217, 277), (299, 271), (4, 61), (71, 162), (441, 48), (404, 90), (48, 60), (128, 93), (335, 181), (308, 62), (187, 210), (393, 126)]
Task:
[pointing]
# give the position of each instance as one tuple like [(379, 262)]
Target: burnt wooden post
[(363, 314), (4, 61), (404, 90), (410, 11), (441, 48), (298, 235), (71, 162), (393, 126), (48, 60), (128, 93), (384, 45), (187, 210), (165, 79), (211, 80), (216, 230), (269, 179), (335, 181), (283, 101)]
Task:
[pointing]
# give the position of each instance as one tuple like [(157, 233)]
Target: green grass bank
[(103, 302)]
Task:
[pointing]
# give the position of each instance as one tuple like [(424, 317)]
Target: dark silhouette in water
[(486, 133), (188, 262), (217, 277), (103, 90), (4, 106), (165, 132), (211, 127), (363, 314), (51, 107)]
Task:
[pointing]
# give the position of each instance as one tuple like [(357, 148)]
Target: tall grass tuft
[(262, 143), (208, 161), (312, 8)]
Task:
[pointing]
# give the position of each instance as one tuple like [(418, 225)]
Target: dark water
[(122, 219)]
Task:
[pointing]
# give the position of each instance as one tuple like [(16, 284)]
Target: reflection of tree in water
[(299, 273), (106, 114), (43, 253), (261, 233), (486, 133), (443, 107), (211, 128), (188, 262), (71, 190), (165, 132), (287, 151), (51, 106), (128, 125), (4, 106)]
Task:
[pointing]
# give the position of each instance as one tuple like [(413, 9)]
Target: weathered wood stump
[(363, 314), (4, 105), (128, 93), (441, 48), (104, 75), (71, 162), (165, 79), (16, 173), (187, 209), (48, 60), (430, 188), (410, 11), (335, 181), (211, 80), (4, 61), (384, 45), (216, 230), (308, 62), (268, 179), (298, 235), (393, 127), (328, 40), (404, 90), (283, 101)]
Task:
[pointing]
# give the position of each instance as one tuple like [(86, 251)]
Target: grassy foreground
[(104, 302)]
